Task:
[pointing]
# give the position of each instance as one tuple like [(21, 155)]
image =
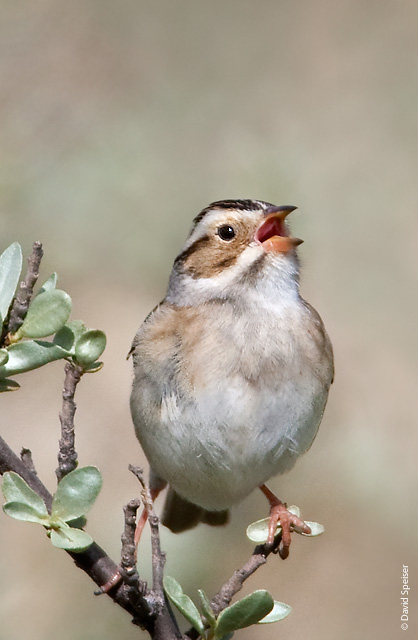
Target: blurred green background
[(119, 121)]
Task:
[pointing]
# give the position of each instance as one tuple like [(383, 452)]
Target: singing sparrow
[(232, 369)]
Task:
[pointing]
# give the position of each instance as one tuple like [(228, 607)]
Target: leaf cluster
[(74, 497), (257, 608), (47, 317)]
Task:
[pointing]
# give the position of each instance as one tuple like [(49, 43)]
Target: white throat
[(276, 282)]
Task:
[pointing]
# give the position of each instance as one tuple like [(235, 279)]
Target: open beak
[(272, 233)]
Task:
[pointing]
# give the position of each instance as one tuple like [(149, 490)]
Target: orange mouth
[(272, 233)]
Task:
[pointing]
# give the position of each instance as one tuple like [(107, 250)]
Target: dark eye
[(226, 232)]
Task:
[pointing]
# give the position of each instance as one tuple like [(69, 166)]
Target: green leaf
[(78, 523), (183, 603), (76, 493), (244, 613), (4, 356), (15, 489), (25, 356), (206, 608), (8, 385), (92, 368), (258, 531), (71, 539), (279, 612), (69, 334), (22, 511), (47, 313), (295, 510), (90, 347), (10, 268), (51, 283)]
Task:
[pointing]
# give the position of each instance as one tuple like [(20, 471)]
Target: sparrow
[(231, 370)]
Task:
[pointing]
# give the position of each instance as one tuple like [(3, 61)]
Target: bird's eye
[(226, 232)]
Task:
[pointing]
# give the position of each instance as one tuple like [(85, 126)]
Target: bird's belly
[(217, 449)]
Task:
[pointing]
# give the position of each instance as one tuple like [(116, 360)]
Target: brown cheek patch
[(209, 259), (196, 246)]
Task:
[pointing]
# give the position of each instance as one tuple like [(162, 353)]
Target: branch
[(166, 627), (128, 563), (235, 583), (136, 588), (67, 455), (26, 458), (158, 557), (94, 561), (24, 294)]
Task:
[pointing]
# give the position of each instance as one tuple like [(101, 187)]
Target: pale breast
[(223, 400)]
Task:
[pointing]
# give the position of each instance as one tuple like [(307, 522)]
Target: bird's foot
[(279, 514)]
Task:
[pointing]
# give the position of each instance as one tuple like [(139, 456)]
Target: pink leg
[(279, 513), (144, 517)]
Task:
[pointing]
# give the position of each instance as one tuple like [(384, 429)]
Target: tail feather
[(215, 518), (180, 515)]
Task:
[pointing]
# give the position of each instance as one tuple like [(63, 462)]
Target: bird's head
[(235, 245)]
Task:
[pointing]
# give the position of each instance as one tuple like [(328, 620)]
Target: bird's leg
[(117, 577), (280, 514), (144, 517)]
